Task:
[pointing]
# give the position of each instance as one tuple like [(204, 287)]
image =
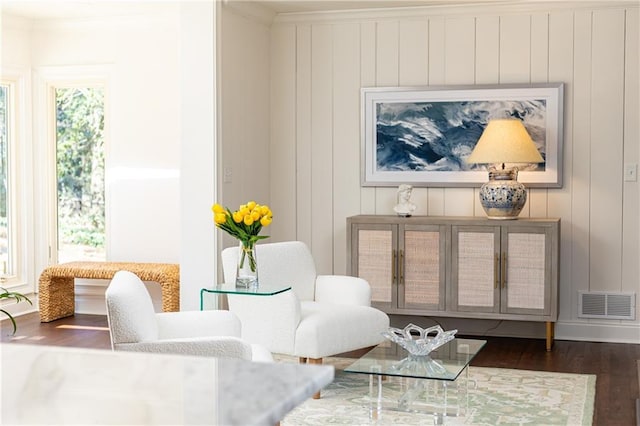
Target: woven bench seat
[(57, 295)]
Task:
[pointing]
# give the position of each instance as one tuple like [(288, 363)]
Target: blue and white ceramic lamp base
[(503, 197)]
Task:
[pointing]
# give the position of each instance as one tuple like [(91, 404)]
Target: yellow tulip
[(265, 221), (247, 220), (220, 218)]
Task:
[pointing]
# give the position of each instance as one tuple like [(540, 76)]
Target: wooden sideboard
[(465, 267)]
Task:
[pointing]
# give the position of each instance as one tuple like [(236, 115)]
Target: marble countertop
[(56, 385)]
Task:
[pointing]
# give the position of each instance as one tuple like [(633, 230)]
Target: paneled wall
[(243, 134), (320, 62)]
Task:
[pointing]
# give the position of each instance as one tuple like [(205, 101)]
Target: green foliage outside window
[(80, 166), (5, 267), (4, 142)]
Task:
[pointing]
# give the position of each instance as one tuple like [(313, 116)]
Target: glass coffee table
[(436, 384)]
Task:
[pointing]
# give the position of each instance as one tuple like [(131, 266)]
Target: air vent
[(607, 305)]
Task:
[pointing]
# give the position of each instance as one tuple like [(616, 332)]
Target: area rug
[(500, 397)]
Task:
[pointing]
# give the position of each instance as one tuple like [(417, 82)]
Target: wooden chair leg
[(317, 361)]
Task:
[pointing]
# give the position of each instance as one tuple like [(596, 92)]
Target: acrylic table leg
[(375, 393), (550, 335)]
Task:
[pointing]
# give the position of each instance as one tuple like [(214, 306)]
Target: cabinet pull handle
[(393, 265), (401, 266), (496, 266), (504, 269)]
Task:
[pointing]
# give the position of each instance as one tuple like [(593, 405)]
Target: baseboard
[(590, 331), (89, 296), (17, 309), (89, 299), (598, 332)]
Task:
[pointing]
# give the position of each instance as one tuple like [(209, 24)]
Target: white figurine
[(404, 207)]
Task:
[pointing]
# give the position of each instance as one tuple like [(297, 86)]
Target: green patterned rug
[(500, 397)]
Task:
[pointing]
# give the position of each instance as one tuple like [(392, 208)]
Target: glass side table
[(262, 290)]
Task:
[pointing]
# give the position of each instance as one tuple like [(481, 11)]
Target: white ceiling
[(58, 9)]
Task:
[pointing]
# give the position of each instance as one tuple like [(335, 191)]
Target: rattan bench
[(57, 296)]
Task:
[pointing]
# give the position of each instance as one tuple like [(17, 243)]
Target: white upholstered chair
[(322, 316), (135, 326)]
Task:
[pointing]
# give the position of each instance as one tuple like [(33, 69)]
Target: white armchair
[(322, 315), (135, 326)]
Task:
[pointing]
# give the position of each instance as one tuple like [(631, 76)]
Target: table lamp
[(504, 141)]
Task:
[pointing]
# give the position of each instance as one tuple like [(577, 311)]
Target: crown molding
[(251, 10), (481, 8)]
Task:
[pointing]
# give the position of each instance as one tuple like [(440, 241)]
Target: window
[(14, 188), (6, 240), (80, 173)]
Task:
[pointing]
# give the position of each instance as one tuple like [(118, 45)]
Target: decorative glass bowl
[(424, 342)]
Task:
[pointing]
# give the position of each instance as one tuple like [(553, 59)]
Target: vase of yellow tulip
[(247, 269), (244, 224)]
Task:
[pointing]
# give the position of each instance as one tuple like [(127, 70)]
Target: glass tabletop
[(445, 363), (262, 290)]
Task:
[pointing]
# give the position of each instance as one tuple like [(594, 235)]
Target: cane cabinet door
[(374, 258), (422, 267), (526, 271), (476, 268)]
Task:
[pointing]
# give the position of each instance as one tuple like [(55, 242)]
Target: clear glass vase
[(247, 272)]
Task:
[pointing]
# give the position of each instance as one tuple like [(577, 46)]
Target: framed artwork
[(423, 135)]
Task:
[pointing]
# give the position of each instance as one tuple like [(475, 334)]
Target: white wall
[(244, 111), (143, 145), (142, 54), (198, 149), (237, 93), (320, 62)]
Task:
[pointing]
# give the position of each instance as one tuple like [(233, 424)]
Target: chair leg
[(303, 360), (317, 361)]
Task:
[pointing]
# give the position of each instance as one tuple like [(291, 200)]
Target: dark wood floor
[(614, 364)]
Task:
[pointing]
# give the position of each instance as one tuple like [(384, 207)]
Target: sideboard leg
[(550, 335)]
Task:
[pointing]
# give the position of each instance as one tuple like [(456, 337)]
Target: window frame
[(21, 182), (47, 80)]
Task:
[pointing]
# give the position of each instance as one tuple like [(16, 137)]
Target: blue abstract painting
[(439, 136)]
